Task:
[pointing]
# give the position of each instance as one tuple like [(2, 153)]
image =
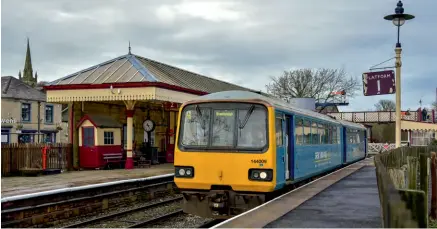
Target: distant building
[(25, 116)]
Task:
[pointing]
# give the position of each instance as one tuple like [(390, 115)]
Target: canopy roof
[(131, 68)]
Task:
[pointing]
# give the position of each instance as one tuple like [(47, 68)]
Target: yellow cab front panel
[(223, 169), (226, 167)]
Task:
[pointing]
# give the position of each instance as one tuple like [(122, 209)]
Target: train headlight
[(263, 175), (184, 171), (260, 174)]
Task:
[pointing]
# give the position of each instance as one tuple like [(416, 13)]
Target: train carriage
[(354, 146), (235, 148)]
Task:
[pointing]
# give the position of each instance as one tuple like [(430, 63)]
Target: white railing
[(376, 148)]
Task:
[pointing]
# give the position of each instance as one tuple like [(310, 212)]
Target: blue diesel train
[(234, 149)]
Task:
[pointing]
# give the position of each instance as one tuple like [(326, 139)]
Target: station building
[(140, 98)]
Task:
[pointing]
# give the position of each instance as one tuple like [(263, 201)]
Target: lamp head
[(399, 18)]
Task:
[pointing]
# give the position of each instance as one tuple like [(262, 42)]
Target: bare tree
[(385, 105), (308, 83)]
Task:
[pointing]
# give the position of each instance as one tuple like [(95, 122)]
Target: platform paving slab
[(352, 202), (12, 186)]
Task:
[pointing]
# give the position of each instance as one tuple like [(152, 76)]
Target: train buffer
[(345, 198)]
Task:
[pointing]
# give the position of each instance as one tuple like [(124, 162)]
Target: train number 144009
[(259, 161)]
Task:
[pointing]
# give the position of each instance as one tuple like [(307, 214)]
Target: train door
[(288, 146), (280, 127), (344, 143)]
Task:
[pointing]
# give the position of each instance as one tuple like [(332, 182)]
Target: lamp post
[(398, 19)]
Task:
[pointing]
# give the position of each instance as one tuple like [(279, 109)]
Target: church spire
[(28, 71)]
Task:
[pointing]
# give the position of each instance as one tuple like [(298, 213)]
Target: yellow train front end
[(224, 160)]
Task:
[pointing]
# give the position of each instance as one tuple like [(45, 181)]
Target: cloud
[(243, 42), (214, 11)]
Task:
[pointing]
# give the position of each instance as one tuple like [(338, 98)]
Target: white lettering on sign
[(377, 77), (8, 120), (321, 155), (321, 159)]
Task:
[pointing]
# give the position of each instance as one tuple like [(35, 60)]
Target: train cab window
[(278, 127), (231, 127), (315, 138), (299, 132), (307, 132), (195, 130), (223, 128), (253, 134)]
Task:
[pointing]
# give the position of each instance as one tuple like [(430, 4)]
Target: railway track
[(124, 216), (166, 213), (54, 208)]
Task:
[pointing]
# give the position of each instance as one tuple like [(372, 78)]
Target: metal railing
[(405, 177), (376, 148), (373, 116)]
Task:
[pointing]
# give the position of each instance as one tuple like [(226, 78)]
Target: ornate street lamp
[(398, 20)]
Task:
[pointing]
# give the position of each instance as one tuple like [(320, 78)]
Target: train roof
[(351, 124), (245, 95)]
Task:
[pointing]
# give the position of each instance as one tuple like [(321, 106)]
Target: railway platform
[(13, 186), (345, 198)]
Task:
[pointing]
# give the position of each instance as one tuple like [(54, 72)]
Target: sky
[(240, 41)]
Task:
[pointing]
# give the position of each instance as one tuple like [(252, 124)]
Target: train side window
[(352, 136), (321, 133), (278, 127), (349, 136), (306, 132), (326, 134), (315, 139), (338, 135), (334, 135), (298, 132), (329, 134)]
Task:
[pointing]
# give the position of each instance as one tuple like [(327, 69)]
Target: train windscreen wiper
[(242, 125), (199, 114)]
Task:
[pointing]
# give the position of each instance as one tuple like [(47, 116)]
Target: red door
[(88, 154)]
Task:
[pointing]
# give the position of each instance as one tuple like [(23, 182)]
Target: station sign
[(379, 83)]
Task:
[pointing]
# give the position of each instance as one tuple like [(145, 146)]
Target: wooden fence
[(406, 179), (19, 158)]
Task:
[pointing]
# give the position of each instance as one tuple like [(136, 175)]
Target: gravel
[(155, 211), (181, 221)]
